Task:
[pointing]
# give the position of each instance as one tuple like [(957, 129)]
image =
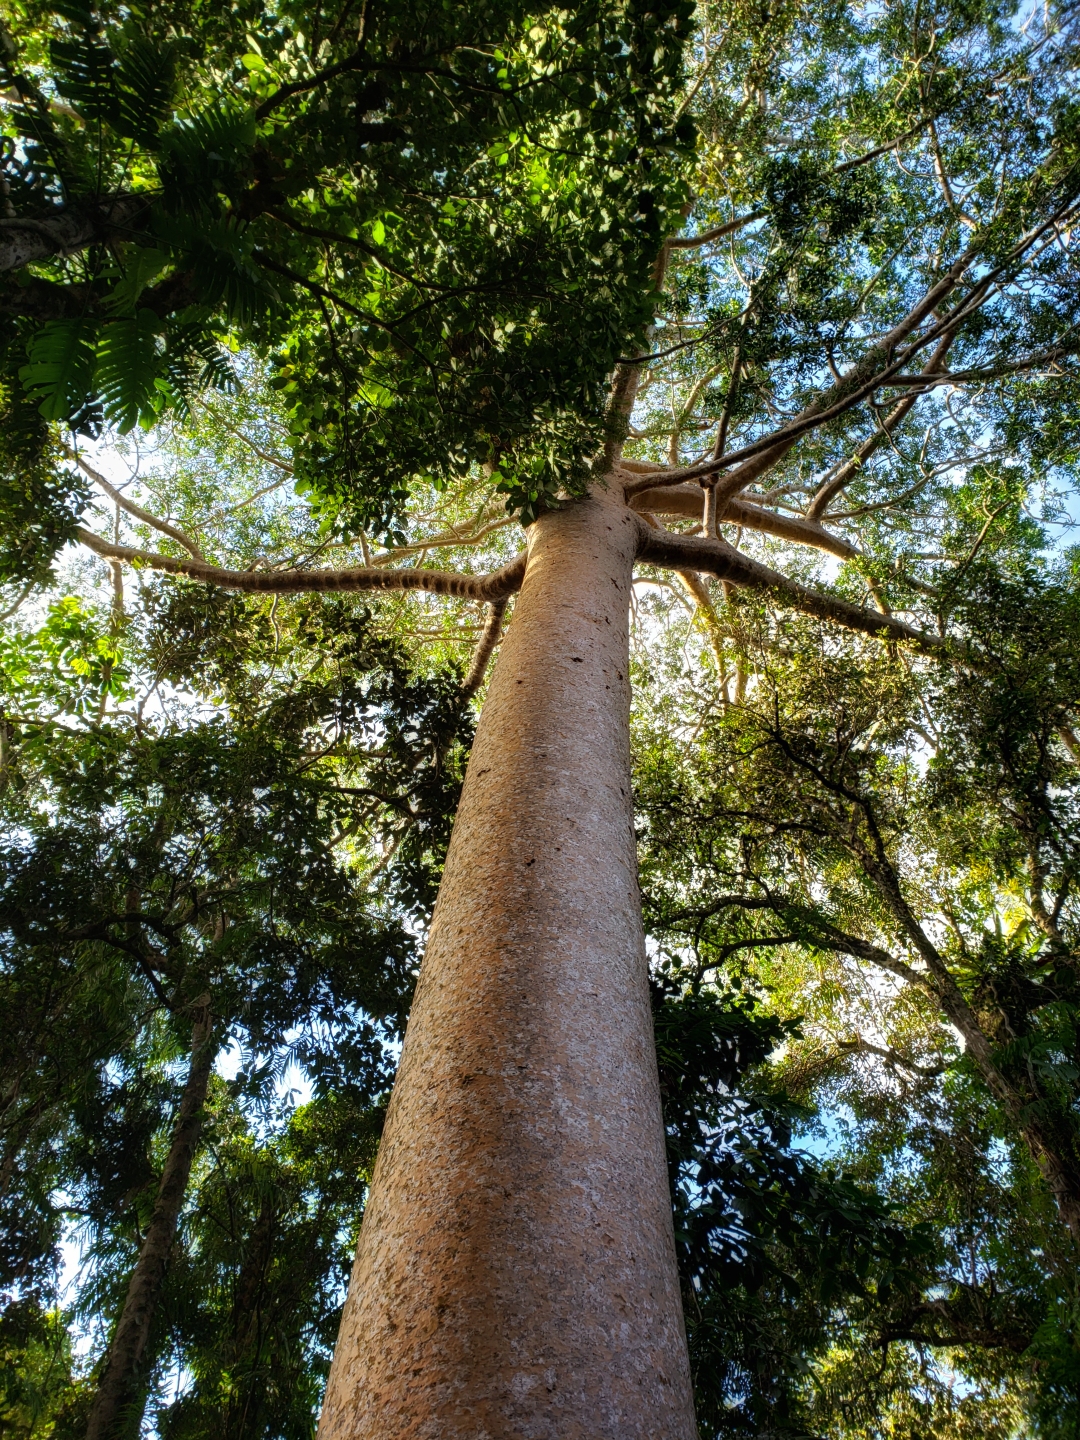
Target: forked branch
[(137, 511), (686, 500), (850, 468), (717, 557)]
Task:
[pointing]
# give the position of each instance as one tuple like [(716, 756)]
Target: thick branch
[(717, 557), (71, 227), (495, 586), (484, 648), (687, 500), (873, 370)]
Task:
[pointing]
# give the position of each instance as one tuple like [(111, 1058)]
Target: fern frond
[(195, 360), (60, 375), (128, 365), (86, 74), (217, 251), (146, 81), (207, 155)]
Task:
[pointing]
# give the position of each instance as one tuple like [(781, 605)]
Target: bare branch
[(713, 628), (450, 538), (691, 242), (717, 557), (495, 586), (135, 510), (981, 373), (882, 149), (892, 1057), (850, 468), (871, 372)]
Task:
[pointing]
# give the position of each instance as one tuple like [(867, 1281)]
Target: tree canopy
[(310, 316)]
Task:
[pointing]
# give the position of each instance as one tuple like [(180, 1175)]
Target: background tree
[(833, 846), (152, 906)]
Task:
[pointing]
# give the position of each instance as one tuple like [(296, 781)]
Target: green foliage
[(230, 851), (40, 504), (411, 247), (71, 661), (443, 231), (255, 1305), (781, 1257), (822, 842), (35, 1368), (61, 369)]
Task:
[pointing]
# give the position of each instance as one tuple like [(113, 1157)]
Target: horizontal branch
[(25, 239), (495, 586), (691, 242), (986, 372), (890, 1056), (828, 937), (717, 557)]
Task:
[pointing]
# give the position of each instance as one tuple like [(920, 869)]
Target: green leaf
[(141, 266), (146, 75), (129, 361), (207, 154), (60, 375), (86, 74)]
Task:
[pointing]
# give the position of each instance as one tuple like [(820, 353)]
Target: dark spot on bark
[(531, 862), (577, 659)]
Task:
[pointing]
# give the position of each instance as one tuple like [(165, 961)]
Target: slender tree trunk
[(516, 1269), (120, 1385), (1052, 1146)]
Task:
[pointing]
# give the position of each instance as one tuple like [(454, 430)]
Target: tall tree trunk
[(516, 1269), (119, 1388)]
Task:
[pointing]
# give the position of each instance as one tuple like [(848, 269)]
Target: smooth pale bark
[(68, 228), (516, 1269), (120, 1384)]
